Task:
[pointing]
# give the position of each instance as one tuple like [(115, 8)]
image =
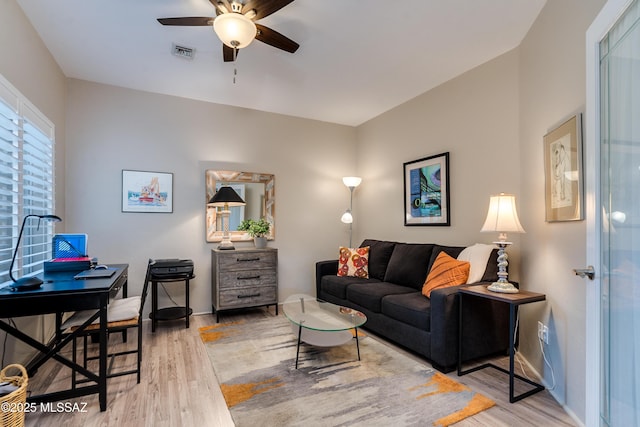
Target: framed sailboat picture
[(150, 192)]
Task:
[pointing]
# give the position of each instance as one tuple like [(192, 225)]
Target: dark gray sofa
[(395, 308)]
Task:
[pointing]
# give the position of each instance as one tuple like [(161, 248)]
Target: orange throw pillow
[(445, 271), (354, 262)]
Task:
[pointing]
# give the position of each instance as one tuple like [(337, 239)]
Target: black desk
[(62, 293)]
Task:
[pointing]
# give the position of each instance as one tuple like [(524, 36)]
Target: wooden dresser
[(243, 278)]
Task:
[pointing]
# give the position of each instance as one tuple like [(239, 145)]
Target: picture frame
[(426, 191), (147, 192), (564, 181)]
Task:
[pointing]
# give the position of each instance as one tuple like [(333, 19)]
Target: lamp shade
[(502, 216), (226, 196), (234, 29), (347, 218), (351, 181)]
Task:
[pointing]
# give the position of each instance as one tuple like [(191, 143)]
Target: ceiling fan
[(235, 25)]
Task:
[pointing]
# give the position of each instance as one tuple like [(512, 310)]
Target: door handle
[(589, 272)]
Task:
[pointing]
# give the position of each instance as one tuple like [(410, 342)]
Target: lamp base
[(26, 284), (503, 287), (226, 246)]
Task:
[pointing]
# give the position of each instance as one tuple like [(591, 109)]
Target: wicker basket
[(12, 404)]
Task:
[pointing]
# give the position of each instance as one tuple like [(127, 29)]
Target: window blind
[(26, 183)]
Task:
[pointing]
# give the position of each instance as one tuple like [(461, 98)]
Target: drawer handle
[(249, 296), (249, 277), (247, 259)]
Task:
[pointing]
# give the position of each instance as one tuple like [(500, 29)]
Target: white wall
[(112, 128), (475, 118), (552, 88)]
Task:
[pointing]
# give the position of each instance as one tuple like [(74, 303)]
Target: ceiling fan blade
[(275, 39), (227, 53), (188, 21), (264, 7)]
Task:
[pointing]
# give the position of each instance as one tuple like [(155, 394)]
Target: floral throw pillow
[(354, 262)]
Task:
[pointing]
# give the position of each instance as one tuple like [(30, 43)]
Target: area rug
[(254, 362)]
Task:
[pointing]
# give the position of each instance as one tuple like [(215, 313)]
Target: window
[(26, 183)]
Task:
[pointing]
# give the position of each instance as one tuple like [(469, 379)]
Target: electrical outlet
[(540, 329), (543, 332)]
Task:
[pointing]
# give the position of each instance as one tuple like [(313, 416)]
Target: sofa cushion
[(354, 262), (412, 308), (478, 256), (379, 256), (409, 264), (369, 295), (337, 285), (452, 251), (446, 271), (491, 272)]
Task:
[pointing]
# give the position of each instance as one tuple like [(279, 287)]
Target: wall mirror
[(256, 189)]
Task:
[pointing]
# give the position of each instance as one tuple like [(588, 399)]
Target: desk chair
[(122, 314)]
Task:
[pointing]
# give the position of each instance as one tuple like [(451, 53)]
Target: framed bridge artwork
[(426, 191)]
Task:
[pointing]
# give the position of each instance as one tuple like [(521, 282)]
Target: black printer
[(171, 267)]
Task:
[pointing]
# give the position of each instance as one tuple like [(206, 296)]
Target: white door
[(613, 216)]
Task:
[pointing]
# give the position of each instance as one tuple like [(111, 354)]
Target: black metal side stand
[(514, 300), (169, 313)]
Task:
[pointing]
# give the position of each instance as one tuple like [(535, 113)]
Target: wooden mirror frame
[(213, 229)]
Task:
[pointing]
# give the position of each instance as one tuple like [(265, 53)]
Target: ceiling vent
[(183, 52)]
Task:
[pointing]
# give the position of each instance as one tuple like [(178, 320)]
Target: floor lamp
[(26, 283), (226, 197), (502, 218), (351, 182)]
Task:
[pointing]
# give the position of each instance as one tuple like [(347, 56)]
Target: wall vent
[(183, 52)]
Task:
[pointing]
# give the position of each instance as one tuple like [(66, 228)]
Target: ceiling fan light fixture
[(235, 30)]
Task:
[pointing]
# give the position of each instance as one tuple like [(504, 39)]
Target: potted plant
[(258, 229)]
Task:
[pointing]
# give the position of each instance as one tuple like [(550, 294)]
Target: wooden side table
[(514, 300)]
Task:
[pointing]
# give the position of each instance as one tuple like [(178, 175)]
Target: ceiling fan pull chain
[(235, 70)]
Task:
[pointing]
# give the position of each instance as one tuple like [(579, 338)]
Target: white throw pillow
[(478, 256)]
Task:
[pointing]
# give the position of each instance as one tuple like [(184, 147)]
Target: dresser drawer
[(243, 278), (247, 278), (247, 260), (248, 296)]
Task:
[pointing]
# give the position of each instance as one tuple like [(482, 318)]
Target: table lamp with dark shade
[(226, 197), (26, 283)]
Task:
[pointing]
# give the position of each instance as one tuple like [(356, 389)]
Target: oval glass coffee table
[(322, 323)]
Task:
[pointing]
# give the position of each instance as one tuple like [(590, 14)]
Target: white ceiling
[(357, 58)]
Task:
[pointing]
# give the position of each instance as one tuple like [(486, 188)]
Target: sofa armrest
[(485, 329), (445, 317), (325, 268)]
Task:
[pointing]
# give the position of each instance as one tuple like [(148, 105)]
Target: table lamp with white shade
[(502, 218)]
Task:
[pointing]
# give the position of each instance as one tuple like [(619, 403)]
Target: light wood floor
[(179, 388)]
